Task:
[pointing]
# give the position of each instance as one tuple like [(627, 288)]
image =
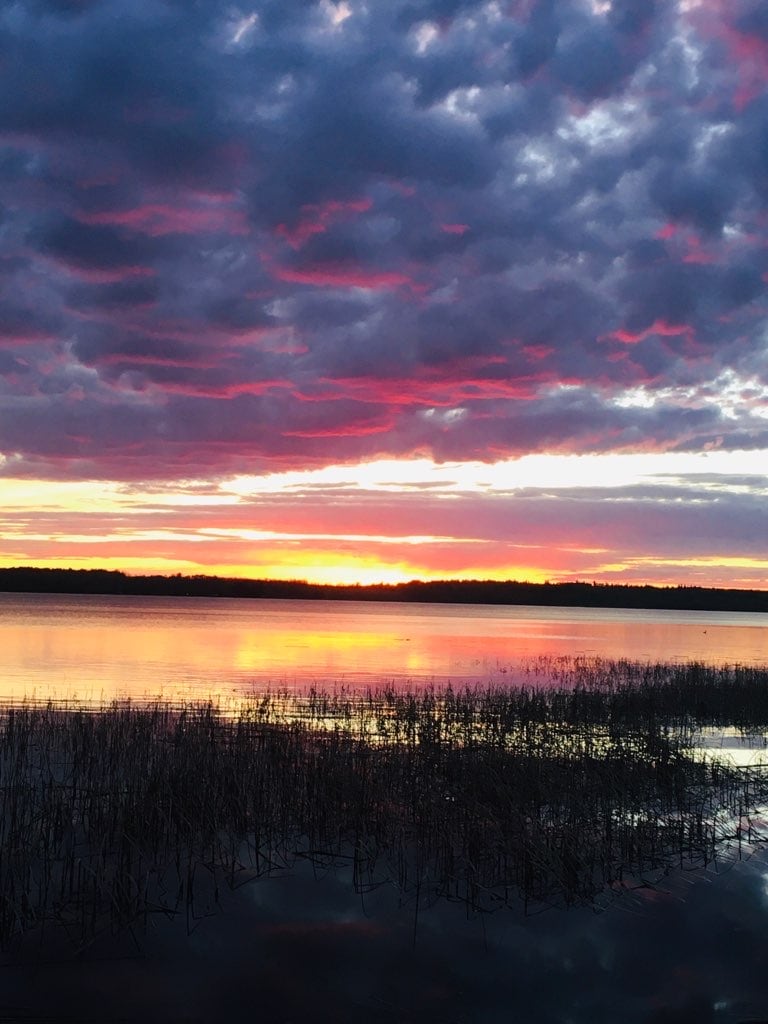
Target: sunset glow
[(369, 292), (534, 518)]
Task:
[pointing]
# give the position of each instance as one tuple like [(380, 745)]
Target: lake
[(308, 941), (306, 947), (96, 648)]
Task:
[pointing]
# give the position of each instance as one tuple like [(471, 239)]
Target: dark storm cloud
[(302, 231), (93, 248)]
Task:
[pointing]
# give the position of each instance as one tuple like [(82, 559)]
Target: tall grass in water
[(540, 794)]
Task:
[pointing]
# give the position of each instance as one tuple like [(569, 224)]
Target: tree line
[(26, 579)]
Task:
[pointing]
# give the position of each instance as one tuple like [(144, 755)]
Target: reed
[(585, 778)]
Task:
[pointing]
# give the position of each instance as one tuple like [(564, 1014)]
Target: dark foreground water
[(306, 948)]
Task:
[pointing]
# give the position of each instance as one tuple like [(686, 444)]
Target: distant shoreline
[(27, 579)]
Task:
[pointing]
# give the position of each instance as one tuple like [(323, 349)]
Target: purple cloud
[(233, 239)]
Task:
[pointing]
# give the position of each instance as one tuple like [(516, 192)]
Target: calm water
[(96, 648), (686, 949), (305, 948)]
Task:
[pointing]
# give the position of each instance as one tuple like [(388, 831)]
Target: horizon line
[(398, 585)]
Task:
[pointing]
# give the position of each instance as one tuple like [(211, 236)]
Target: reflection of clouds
[(53, 645), (300, 948), (729, 745)]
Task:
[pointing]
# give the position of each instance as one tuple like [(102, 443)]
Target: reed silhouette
[(588, 779)]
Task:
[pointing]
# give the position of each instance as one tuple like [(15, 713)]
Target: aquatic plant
[(539, 794)]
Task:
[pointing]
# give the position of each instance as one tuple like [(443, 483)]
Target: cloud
[(289, 242), (524, 519)]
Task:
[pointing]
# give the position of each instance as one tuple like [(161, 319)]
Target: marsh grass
[(534, 795)]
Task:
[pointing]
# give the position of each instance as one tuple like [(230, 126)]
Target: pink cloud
[(128, 360), (316, 218), (157, 219), (537, 351), (343, 430), (696, 252), (444, 389), (747, 53), (328, 276), (564, 536), (687, 244), (22, 335), (668, 231), (206, 389), (454, 229), (750, 55), (276, 340), (407, 191), (658, 327), (97, 275), (362, 419)]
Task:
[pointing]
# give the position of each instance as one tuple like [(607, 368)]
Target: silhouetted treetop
[(28, 579)]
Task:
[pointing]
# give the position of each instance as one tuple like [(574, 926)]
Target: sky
[(373, 291)]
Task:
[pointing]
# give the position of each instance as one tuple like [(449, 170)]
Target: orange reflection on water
[(330, 653), (105, 648)]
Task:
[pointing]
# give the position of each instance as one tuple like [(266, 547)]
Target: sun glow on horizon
[(390, 521)]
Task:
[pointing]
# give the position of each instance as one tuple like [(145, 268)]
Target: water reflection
[(490, 798), (100, 648), (308, 942), (306, 948)]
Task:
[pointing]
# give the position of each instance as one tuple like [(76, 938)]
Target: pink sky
[(512, 257)]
